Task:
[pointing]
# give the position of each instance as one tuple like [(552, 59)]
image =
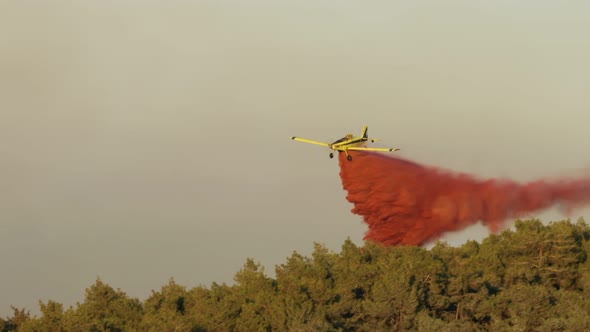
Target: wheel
[(331, 155), (349, 157)]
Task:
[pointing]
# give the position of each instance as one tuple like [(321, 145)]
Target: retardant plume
[(405, 203)]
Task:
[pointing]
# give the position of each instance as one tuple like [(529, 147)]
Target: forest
[(533, 278)]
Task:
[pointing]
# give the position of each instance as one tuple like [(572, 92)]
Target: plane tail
[(365, 133)]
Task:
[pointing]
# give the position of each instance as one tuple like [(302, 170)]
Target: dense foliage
[(536, 278)]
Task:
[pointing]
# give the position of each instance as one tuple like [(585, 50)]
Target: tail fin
[(365, 133)]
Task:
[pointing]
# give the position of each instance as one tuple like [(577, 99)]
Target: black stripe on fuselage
[(359, 140)]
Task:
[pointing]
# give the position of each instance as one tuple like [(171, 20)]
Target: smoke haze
[(143, 140)]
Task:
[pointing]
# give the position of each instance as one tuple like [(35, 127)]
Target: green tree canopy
[(533, 278)]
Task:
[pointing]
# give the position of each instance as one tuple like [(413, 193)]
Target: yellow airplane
[(346, 143)]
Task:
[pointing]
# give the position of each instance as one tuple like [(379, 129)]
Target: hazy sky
[(143, 140)]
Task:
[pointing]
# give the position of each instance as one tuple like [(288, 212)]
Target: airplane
[(347, 143)]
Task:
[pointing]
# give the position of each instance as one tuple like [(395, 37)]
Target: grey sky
[(146, 140)]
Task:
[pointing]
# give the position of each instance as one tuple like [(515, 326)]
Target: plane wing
[(359, 148), (309, 141)]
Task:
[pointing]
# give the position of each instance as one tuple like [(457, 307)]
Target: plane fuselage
[(345, 141)]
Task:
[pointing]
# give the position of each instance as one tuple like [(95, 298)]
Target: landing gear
[(348, 157), (331, 155)]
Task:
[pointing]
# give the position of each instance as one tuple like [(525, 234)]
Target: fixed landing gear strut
[(348, 157)]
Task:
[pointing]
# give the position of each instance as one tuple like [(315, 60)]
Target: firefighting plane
[(348, 143)]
